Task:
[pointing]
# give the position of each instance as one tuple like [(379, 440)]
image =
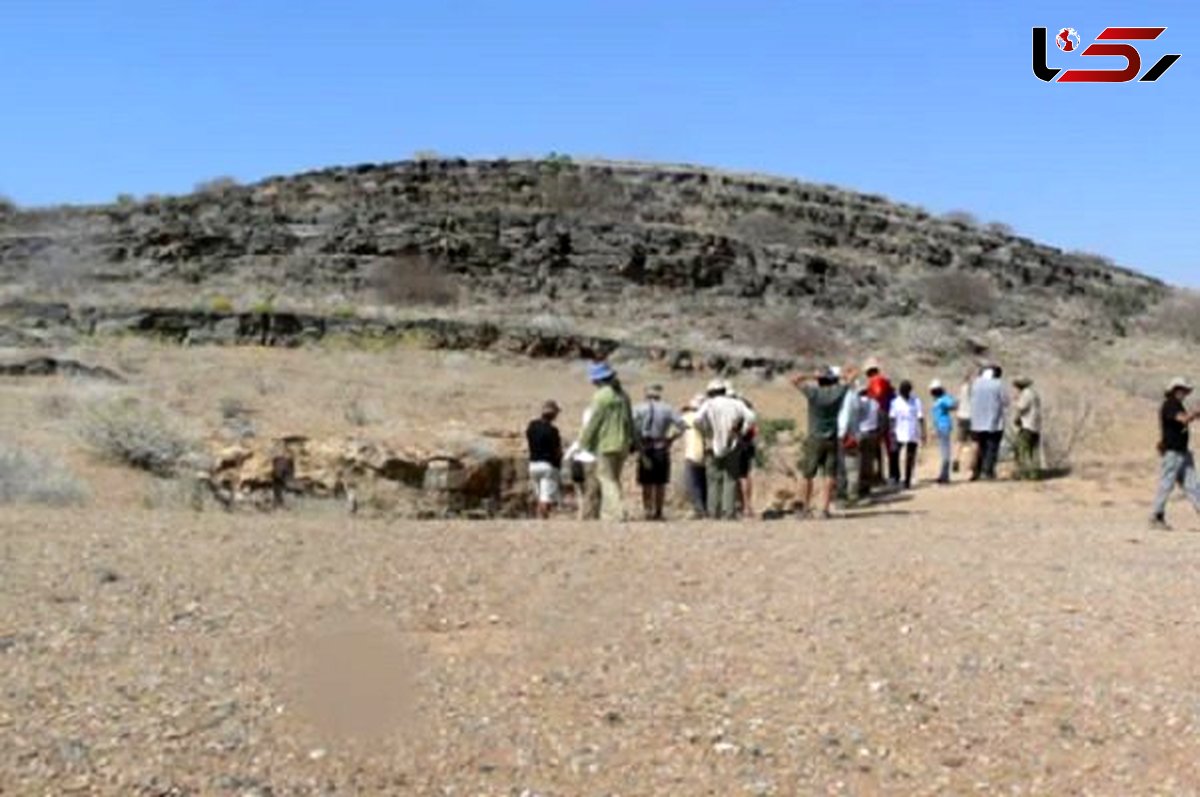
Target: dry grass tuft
[(27, 477), (415, 279), (959, 292), (1177, 317), (130, 432)]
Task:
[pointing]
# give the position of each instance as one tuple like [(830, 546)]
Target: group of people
[(863, 434)]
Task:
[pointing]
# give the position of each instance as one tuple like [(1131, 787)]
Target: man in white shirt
[(722, 420), (870, 418), (908, 428)]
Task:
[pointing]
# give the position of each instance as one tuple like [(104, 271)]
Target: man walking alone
[(1178, 464)]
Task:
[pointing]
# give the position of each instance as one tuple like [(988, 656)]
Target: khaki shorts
[(820, 456)]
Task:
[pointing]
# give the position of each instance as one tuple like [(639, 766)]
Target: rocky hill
[(630, 251)]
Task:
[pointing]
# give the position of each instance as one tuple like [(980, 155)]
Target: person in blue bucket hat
[(610, 435)]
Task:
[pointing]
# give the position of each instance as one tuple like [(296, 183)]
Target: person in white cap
[(942, 410), (821, 446), (1178, 464), (723, 420)]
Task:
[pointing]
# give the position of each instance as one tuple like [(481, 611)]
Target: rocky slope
[(613, 243)]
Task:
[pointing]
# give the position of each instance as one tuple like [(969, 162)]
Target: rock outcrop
[(507, 232), (371, 476)]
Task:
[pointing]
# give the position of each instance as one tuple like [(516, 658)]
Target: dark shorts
[(654, 467), (820, 456), (962, 428), (746, 453)]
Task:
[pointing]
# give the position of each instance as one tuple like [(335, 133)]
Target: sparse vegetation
[(568, 190), (1067, 422), (1177, 316), (221, 304), (962, 218), (7, 206), (415, 279), (959, 292), (133, 433), (1000, 228), (795, 335), (264, 306), (426, 155), (233, 408), (216, 185), (29, 478), (764, 228), (357, 413)]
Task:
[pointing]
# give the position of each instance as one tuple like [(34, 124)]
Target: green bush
[(221, 304)]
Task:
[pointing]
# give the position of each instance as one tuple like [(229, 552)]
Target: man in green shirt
[(825, 400), (610, 435)]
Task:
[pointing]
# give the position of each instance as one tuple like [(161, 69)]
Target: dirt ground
[(984, 638), (971, 640)]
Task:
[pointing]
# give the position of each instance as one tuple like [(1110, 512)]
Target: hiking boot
[(1159, 523)]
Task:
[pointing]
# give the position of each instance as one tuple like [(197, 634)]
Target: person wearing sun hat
[(825, 399), (723, 420), (610, 434), (1178, 463), (1028, 410)]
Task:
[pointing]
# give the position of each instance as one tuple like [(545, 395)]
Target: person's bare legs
[(648, 501), (808, 494), (830, 492), (746, 488)]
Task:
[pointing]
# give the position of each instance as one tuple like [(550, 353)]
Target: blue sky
[(932, 103)]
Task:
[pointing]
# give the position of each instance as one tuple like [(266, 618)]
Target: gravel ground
[(963, 641)]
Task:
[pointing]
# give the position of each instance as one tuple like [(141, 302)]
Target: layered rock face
[(509, 231)]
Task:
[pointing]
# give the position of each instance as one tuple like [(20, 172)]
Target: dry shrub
[(415, 279), (1177, 317), (1067, 422), (130, 432), (358, 413), (959, 292), (217, 185), (796, 336), (30, 478), (7, 207), (764, 228), (566, 191), (1000, 228), (962, 217)]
